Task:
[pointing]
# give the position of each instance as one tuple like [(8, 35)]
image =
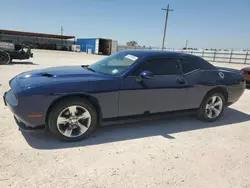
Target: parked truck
[(10, 51), (76, 48)]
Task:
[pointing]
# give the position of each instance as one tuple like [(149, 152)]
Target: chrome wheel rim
[(214, 107), (73, 121)]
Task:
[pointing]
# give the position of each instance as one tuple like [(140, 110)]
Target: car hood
[(57, 75)]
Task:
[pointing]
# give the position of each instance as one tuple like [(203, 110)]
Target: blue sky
[(205, 23)]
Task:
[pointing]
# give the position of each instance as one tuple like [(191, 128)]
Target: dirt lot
[(175, 152)]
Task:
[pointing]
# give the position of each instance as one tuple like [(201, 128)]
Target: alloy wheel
[(214, 107), (73, 121)]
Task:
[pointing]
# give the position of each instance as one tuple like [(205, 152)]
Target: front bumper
[(21, 114), (23, 127)]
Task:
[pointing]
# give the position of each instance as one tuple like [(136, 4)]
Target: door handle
[(181, 80)]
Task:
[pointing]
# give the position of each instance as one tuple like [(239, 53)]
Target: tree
[(132, 43)]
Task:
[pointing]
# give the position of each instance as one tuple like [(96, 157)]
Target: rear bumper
[(235, 92)]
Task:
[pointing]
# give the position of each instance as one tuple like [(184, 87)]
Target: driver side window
[(164, 66)]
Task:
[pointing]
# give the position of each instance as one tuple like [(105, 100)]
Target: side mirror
[(147, 75)]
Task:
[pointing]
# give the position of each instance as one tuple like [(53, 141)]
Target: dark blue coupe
[(72, 101)]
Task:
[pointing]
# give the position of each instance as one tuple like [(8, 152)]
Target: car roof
[(171, 54), (149, 53)]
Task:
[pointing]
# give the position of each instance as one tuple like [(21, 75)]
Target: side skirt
[(147, 117)]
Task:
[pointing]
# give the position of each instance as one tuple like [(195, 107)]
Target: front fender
[(62, 96)]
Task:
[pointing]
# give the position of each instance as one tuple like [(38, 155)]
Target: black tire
[(4, 58), (202, 111), (60, 106)]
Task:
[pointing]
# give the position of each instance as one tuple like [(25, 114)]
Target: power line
[(166, 21)]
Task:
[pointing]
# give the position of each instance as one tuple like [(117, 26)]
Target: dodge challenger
[(72, 101)]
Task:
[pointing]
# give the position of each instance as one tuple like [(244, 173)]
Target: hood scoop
[(84, 66), (47, 75), (35, 75)]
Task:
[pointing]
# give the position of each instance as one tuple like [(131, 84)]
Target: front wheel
[(72, 119), (212, 107)]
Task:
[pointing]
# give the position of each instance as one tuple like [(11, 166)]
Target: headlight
[(11, 98), (10, 81)]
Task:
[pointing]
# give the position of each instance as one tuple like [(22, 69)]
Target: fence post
[(230, 59), (214, 56), (246, 58), (202, 53), (230, 56), (191, 51)]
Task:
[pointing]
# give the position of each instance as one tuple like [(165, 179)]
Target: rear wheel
[(72, 119), (4, 58), (212, 107)]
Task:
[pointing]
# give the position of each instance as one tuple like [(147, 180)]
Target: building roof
[(10, 32)]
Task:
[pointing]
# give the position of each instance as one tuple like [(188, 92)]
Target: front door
[(166, 91)]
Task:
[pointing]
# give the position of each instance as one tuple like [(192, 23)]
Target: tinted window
[(161, 67), (189, 66), (204, 64)]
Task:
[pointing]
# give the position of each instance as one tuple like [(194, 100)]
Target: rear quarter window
[(204, 64), (192, 64), (189, 66)]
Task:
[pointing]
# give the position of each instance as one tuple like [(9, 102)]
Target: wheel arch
[(94, 101), (220, 89)]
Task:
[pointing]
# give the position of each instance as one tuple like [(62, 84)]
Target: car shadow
[(21, 63), (165, 126)]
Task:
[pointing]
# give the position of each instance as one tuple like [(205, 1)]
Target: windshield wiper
[(90, 69), (87, 67)]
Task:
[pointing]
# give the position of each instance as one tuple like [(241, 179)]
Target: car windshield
[(115, 64)]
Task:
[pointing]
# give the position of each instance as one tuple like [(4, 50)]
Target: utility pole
[(166, 21), (186, 44), (61, 30), (61, 35)]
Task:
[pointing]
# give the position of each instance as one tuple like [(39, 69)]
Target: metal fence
[(239, 57)]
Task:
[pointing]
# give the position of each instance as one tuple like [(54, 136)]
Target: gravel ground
[(175, 152)]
